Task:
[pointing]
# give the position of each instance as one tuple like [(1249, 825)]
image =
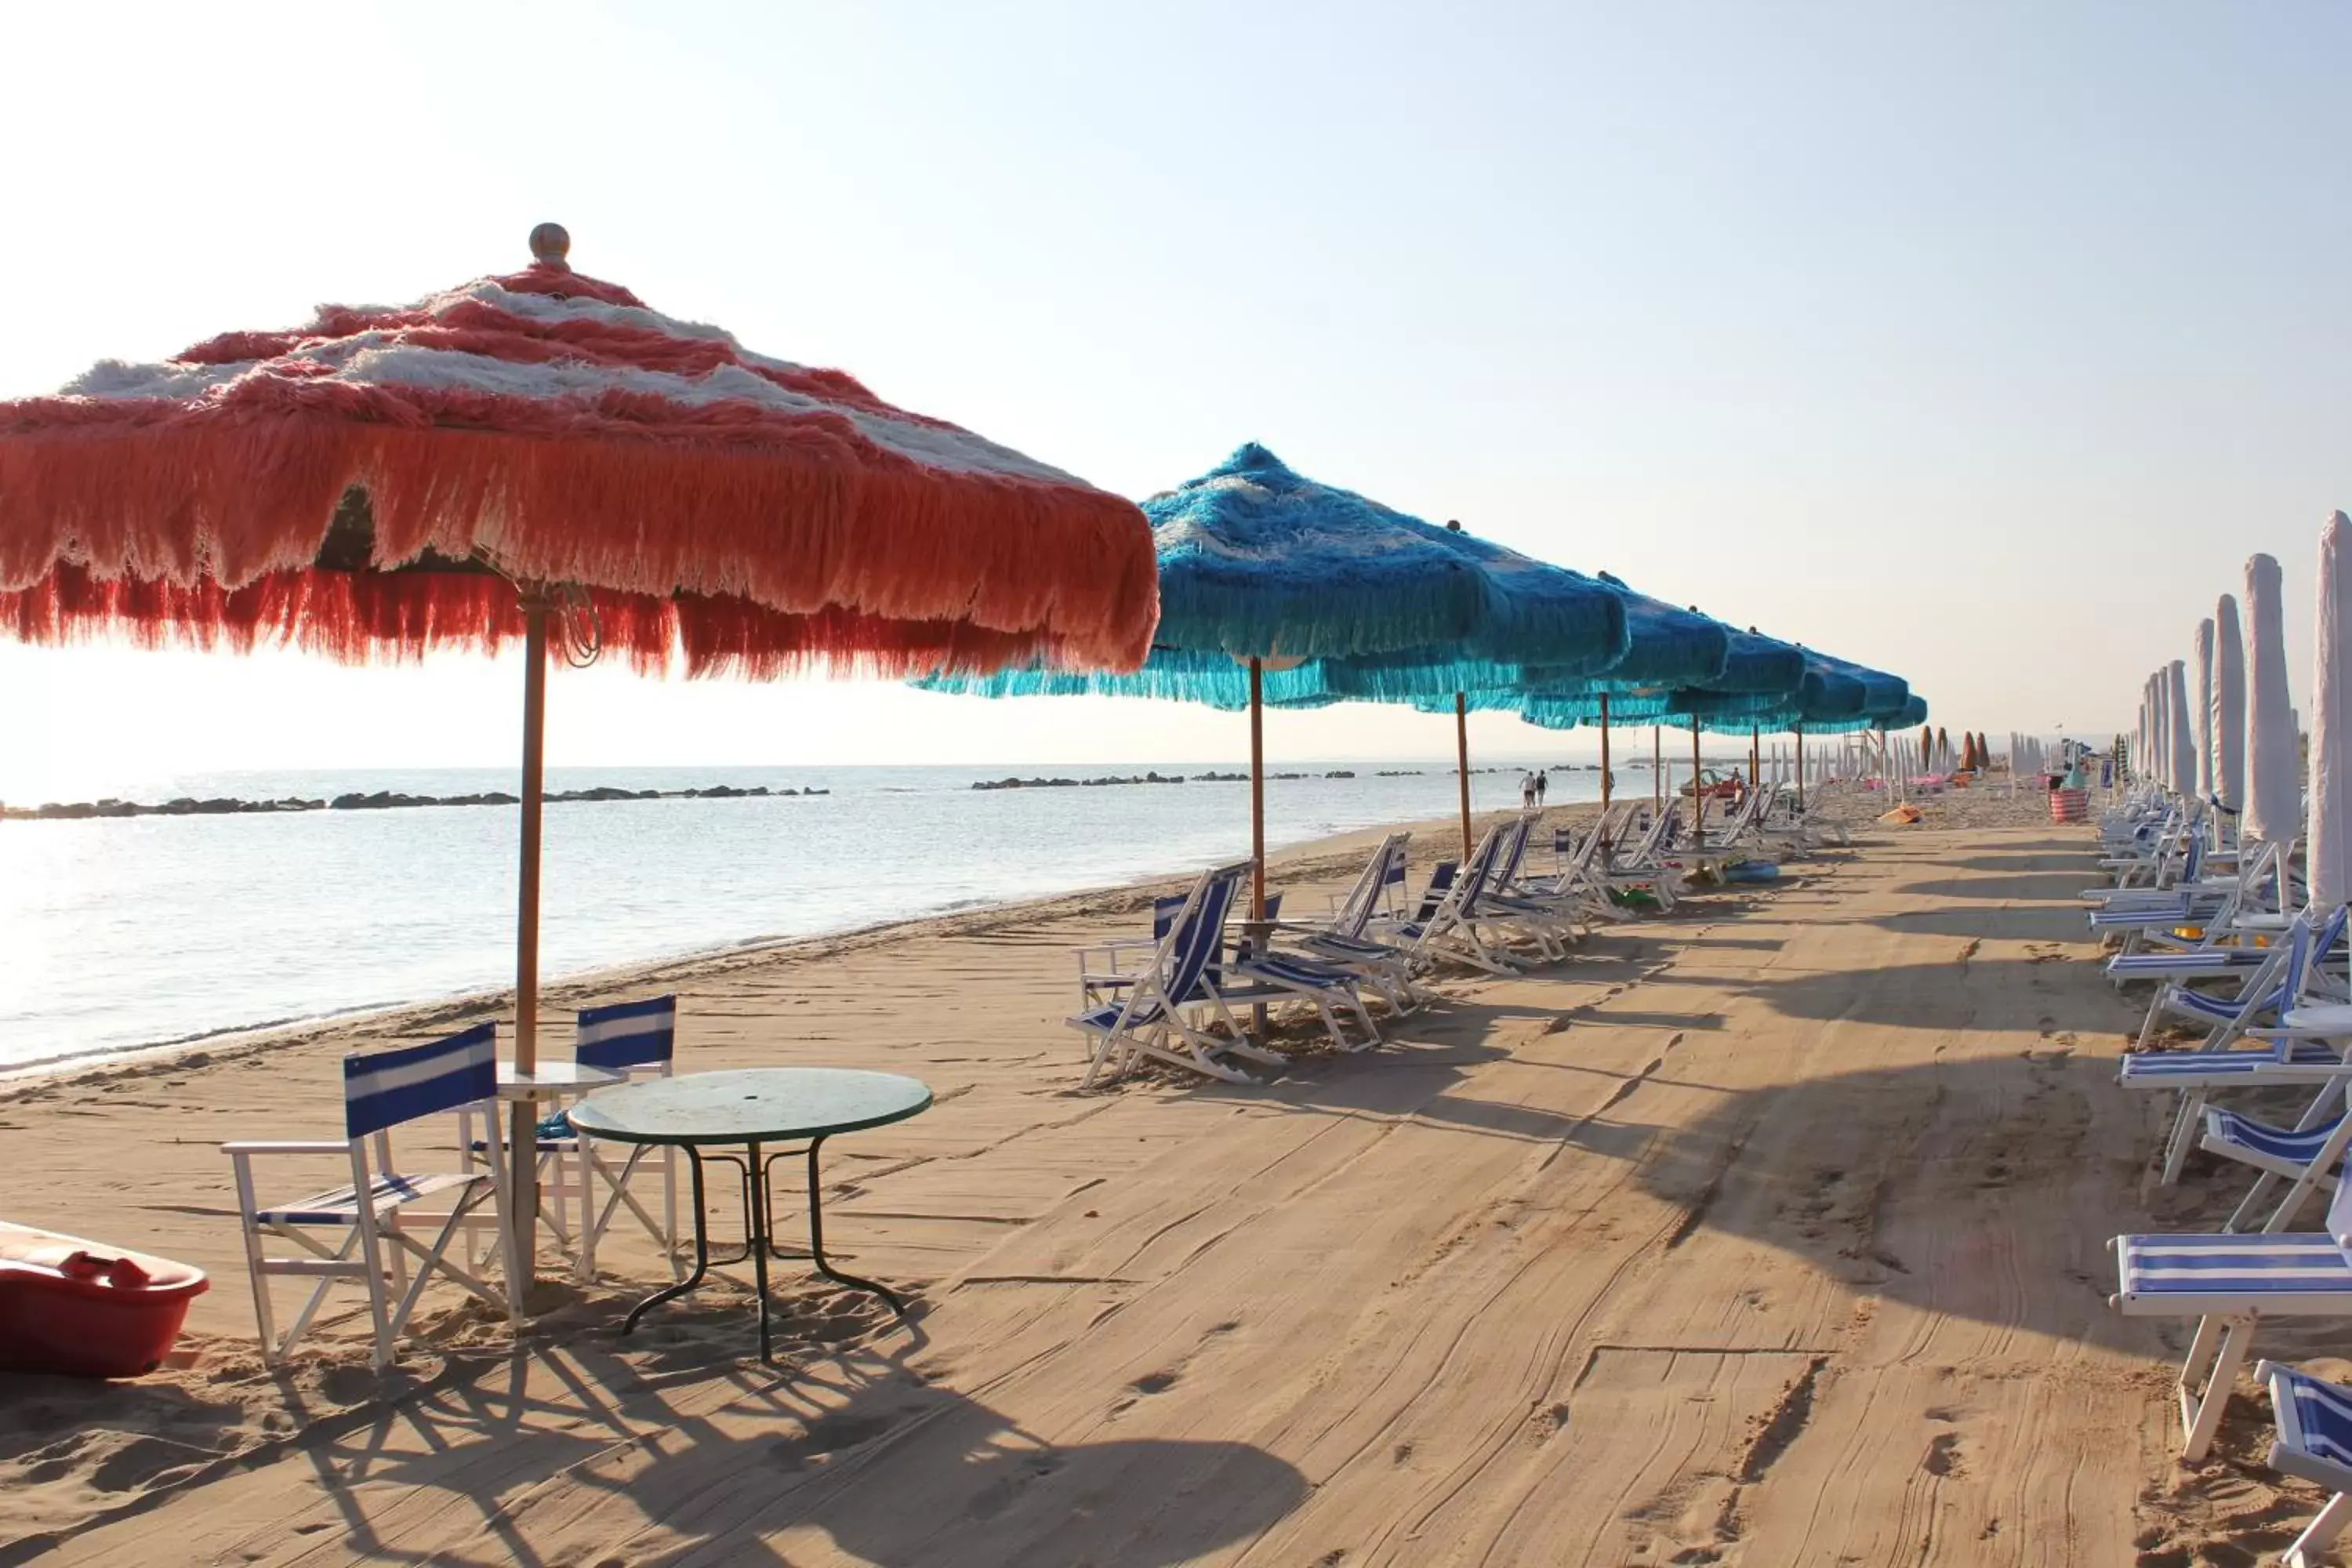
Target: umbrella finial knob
[(1452, 525), (549, 245)]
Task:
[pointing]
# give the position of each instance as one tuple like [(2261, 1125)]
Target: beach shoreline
[(1432, 837), (419, 1015)]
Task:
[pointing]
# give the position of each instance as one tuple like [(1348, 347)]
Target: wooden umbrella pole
[(1799, 733), (522, 1140), (1605, 781), (1698, 793), (1755, 754), (1257, 790), (1462, 765), (1657, 766)]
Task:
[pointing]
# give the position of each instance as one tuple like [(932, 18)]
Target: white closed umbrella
[(2177, 734), (2273, 790), (2328, 857), (2229, 705), (2203, 716)]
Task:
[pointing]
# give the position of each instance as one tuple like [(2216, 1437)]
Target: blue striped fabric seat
[(2218, 1009), (2158, 917), (2315, 1419), (2190, 1276), (341, 1206), (2170, 1070), (1297, 971), (2189, 961), (2261, 1138)]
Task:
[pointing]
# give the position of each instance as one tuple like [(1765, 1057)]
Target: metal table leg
[(757, 1238), (701, 1251), (817, 1241)]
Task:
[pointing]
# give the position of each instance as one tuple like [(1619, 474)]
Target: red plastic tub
[(87, 1310)]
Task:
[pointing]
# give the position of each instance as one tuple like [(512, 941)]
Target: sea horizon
[(130, 933)]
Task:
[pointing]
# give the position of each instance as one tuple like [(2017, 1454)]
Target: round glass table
[(752, 1108)]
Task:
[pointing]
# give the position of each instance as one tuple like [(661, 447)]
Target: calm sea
[(116, 934)]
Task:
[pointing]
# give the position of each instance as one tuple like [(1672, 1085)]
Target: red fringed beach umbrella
[(542, 448)]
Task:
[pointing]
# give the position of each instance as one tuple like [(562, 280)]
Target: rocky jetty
[(1075, 784), (379, 800)]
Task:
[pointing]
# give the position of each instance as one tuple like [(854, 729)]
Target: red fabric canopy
[(717, 506)]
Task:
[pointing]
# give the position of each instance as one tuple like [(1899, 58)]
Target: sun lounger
[(1149, 1022), (1344, 939), (2230, 1283)]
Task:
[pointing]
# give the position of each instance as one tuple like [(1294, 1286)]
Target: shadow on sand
[(675, 1445)]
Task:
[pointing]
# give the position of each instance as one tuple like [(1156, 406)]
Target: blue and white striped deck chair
[(1411, 934), (1575, 885), (635, 1039), (1344, 939), (1149, 1022), (1643, 866), (2229, 1283), (2304, 1156), (2227, 949), (2314, 1441), (377, 1240), (1450, 928), (1255, 978), (1504, 913), (2267, 989)]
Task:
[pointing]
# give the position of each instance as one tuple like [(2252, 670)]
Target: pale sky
[(1979, 342)]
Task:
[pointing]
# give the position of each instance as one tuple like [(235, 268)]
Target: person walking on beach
[(1527, 792), (1543, 783)]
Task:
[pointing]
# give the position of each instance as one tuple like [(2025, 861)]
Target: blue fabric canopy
[(1346, 599), (1259, 560), (1881, 693), (1758, 664)]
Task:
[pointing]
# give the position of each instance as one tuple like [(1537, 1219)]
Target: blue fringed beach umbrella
[(1666, 648), (1277, 589), (1758, 673)]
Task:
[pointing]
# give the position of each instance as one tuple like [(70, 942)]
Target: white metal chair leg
[(2303, 1552)]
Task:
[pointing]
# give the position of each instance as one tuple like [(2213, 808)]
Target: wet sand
[(1770, 1234)]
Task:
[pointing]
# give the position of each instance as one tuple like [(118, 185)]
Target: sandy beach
[(1772, 1233)]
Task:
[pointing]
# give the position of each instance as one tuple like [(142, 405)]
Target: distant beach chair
[(1343, 939), (1455, 928), (1509, 913), (2314, 1441), (371, 1230), (1642, 866), (1148, 1021), (2230, 1283)]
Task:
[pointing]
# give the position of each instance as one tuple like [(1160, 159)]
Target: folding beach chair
[(1453, 929), (376, 1238), (1148, 1021), (2304, 1156), (2314, 1441), (1343, 939), (2229, 1283), (635, 1039)]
